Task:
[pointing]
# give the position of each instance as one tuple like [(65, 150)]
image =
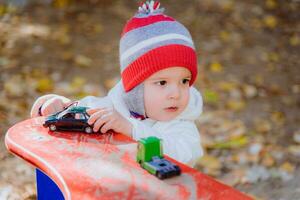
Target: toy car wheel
[(160, 175), (178, 170), (52, 127), (88, 129)]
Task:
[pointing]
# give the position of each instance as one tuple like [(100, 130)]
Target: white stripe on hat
[(151, 41)]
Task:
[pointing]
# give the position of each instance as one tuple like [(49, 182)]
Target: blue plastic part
[(47, 188)]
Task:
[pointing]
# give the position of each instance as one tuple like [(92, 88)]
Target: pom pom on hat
[(149, 7)]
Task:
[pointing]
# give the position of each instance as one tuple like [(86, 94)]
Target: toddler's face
[(166, 93)]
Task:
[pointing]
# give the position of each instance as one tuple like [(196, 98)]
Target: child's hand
[(109, 119), (49, 104)]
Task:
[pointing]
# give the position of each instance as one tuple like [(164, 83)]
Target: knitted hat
[(152, 41)]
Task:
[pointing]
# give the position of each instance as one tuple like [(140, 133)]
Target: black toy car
[(73, 118)]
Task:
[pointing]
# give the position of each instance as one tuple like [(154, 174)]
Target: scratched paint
[(103, 166)]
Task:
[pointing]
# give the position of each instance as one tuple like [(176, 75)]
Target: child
[(155, 96)]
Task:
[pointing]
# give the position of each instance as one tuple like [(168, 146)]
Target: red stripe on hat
[(174, 55), (136, 22)]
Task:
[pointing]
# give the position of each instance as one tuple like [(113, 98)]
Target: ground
[(248, 53)]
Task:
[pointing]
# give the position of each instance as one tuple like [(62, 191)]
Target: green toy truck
[(150, 157)]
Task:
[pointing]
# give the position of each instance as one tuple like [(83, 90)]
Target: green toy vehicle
[(150, 157)]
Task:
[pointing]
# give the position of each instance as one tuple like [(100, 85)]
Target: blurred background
[(249, 75)]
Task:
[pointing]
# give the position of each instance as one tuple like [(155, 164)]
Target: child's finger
[(91, 111), (106, 127), (52, 106), (97, 115), (99, 123), (38, 103)]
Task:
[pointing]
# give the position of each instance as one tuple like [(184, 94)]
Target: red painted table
[(93, 166)]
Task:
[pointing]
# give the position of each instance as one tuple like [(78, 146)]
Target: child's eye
[(185, 81), (161, 83)]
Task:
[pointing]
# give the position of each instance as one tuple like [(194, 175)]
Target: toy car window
[(79, 116), (68, 116), (61, 115)]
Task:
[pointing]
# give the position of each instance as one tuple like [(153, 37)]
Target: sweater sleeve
[(181, 139)]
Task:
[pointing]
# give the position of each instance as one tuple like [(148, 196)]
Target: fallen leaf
[(210, 96), (288, 167), (294, 40), (61, 3), (211, 164), (232, 143), (78, 83), (44, 85), (83, 61), (236, 105), (227, 86), (270, 21), (271, 4), (224, 35), (273, 57), (277, 117), (216, 67)]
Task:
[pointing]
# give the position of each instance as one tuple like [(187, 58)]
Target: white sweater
[(180, 136)]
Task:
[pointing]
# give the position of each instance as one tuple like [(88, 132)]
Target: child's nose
[(174, 92)]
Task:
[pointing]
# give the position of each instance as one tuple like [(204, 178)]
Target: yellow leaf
[(98, 28), (236, 105), (211, 164), (288, 167), (2, 10), (210, 96), (224, 35), (227, 86), (271, 4), (294, 40), (80, 95), (228, 5), (216, 67), (278, 117), (61, 3), (232, 143), (259, 80), (273, 57), (44, 85), (78, 82), (83, 61), (270, 21)]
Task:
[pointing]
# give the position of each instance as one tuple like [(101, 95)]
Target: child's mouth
[(171, 109)]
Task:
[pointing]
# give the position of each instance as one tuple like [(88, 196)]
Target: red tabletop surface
[(93, 166)]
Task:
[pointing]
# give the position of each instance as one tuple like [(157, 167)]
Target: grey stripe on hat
[(138, 35), (124, 63)]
